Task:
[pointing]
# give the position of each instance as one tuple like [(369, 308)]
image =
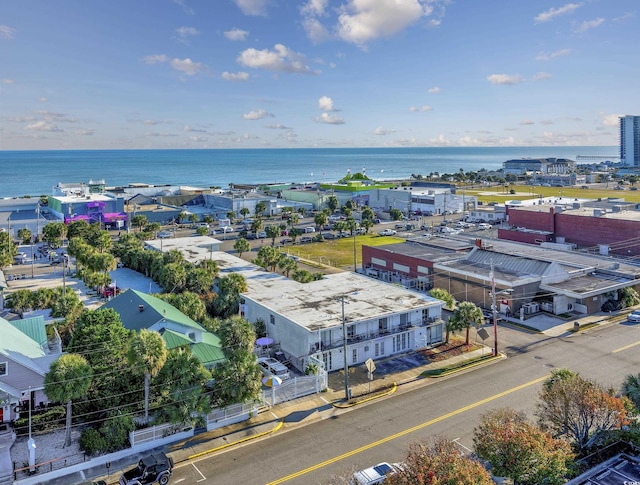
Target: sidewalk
[(283, 417)]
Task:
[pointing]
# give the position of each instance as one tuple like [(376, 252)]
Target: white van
[(273, 367), (309, 229)]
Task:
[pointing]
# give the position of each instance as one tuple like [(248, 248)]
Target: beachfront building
[(421, 200), (234, 200), (308, 321), (88, 202), (540, 166), (630, 140)]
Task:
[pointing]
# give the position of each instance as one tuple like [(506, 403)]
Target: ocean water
[(36, 172)]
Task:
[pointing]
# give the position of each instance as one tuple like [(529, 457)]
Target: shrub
[(47, 421), (116, 432), (92, 442)]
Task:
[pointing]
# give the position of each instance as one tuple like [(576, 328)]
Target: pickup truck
[(152, 468)]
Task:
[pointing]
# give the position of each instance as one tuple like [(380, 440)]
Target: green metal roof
[(175, 339), (208, 351), (33, 327)]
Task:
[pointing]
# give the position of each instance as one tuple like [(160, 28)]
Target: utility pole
[(344, 351), (495, 312)]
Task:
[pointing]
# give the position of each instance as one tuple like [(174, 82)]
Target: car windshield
[(382, 469)]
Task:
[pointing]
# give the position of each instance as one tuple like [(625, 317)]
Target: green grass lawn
[(497, 194), (339, 252)]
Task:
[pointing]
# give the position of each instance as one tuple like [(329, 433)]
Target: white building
[(307, 319), (630, 140), (422, 200)]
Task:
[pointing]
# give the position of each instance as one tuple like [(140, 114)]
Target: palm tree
[(272, 233), (147, 354), (241, 245), (260, 208), (631, 389), (464, 316), (68, 378), (287, 264), (244, 212), (321, 219), (332, 203)]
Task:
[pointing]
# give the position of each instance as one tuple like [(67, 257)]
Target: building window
[(4, 369), (404, 318), (272, 320), (377, 349), (354, 356), (382, 324), (350, 331)]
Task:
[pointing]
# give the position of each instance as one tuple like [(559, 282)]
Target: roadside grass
[(455, 367), (339, 252), (498, 194)]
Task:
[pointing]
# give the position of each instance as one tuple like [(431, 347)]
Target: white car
[(375, 474), (634, 316), (387, 232)]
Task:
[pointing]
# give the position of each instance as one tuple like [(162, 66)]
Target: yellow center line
[(407, 431), (625, 347)]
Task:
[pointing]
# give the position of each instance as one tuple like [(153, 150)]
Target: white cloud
[(361, 21), (43, 99), (314, 7), (325, 103), (235, 76), (43, 125), (527, 122), (552, 13), (277, 126), (433, 90), (236, 34), (416, 109), (588, 25), (546, 122), (184, 32), (253, 7), (257, 115), (53, 116), (280, 59), (7, 81), (187, 66), (383, 131), (509, 79), (330, 119), (188, 10), (155, 59), (611, 119), (86, 132), (316, 32), (547, 56), (189, 129), (541, 76), (6, 32)]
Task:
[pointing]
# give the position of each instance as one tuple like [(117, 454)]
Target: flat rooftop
[(317, 305), (416, 248)]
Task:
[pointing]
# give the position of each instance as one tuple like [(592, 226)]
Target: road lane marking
[(203, 477), (408, 431), (625, 348)]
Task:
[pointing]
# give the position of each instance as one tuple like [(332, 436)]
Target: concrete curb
[(391, 390), (477, 363), (233, 443)]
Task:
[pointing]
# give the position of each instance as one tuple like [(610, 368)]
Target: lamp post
[(495, 310)]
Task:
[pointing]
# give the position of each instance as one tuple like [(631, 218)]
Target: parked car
[(309, 229), (273, 367), (634, 316), (261, 235), (399, 226), (152, 468), (375, 474), (483, 226), (387, 232), (306, 239), (286, 240)]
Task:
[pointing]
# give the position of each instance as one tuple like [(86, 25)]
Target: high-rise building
[(630, 140)]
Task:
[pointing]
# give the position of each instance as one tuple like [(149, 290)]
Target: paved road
[(341, 442)]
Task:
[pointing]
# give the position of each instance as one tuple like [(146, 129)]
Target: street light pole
[(344, 351)]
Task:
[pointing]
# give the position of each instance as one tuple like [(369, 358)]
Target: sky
[(116, 74)]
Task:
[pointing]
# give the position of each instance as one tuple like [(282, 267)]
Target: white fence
[(235, 413), (160, 434), (294, 388)]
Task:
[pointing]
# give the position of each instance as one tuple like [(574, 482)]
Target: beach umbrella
[(264, 341), (271, 381)]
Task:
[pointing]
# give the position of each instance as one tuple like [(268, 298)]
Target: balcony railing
[(362, 337)]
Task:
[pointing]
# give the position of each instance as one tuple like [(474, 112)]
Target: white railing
[(235, 413), (294, 388), (157, 433)]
